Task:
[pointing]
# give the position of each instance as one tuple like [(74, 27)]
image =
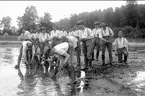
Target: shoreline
[(19, 42)]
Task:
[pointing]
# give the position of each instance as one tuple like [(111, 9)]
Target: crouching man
[(121, 47), (64, 50), (27, 52)]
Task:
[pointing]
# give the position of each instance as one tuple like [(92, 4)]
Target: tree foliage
[(29, 18), (6, 22), (46, 21), (127, 18)]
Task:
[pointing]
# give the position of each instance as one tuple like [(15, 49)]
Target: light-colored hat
[(96, 23), (103, 24), (80, 22)]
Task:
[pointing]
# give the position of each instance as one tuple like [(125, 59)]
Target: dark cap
[(80, 22), (96, 23)]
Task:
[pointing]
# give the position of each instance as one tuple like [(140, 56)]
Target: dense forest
[(129, 18)]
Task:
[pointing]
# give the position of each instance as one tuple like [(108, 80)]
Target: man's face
[(54, 28), (29, 45), (37, 28), (120, 34), (62, 29), (96, 26), (43, 30), (81, 27)]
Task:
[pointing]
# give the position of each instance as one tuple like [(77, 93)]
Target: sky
[(57, 9)]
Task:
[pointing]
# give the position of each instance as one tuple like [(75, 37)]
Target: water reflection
[(43, 85), (17, 83)]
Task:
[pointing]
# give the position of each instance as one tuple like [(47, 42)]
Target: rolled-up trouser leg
[(103, 52), (85, 53), (109, 47)]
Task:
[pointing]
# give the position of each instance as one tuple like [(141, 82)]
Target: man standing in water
[(85, 35), (106, 36), (96, 40)]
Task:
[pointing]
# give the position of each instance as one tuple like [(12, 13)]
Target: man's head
[(23, 30), (103, 25), (37, 27), (120, 34), (29, 45), (43, 29), (62, 28), (97, 24), (54, 27), (80, 24)]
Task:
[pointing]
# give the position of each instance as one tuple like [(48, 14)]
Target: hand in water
[(16, 66)]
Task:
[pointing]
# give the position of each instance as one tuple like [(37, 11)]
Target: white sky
[(57, 9)]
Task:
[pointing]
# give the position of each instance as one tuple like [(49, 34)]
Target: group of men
[(81, 39)]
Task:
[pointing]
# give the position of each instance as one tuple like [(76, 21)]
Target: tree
[(29, 18), (6, 21), (46, 21)]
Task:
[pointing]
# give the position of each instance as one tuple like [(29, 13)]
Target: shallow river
[(14, 82)]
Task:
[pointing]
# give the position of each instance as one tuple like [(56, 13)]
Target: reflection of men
[(96, 41), (84, 35), (105, 35)]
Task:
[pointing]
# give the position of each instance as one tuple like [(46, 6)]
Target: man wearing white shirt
[(106, 36), (64, 33), (37, 31), (25, 35), (43, 38), (121, 47), (85, 35), (96, 40), (54, 32), (78, 48)]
